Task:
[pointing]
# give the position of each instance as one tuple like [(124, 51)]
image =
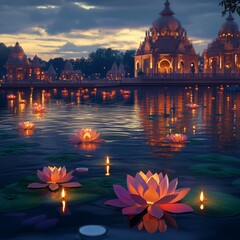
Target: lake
[(134, 123)]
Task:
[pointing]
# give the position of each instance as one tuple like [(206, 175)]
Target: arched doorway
[(164, 66), (181, 67)]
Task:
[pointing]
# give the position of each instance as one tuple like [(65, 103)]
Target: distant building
[(19, 68), (51, 74), (68, 74), (223, 54), (116, 73), (166, 48)]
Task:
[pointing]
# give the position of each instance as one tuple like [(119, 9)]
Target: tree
[(230, 6), (4, 54)]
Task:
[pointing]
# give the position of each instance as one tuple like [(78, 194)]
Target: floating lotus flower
[(192, 105), (176, 138), (11, 96), (53, 177), (85, 135), (152, 192), (26, 125), (38, 108)]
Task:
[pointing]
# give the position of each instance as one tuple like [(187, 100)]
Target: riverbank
[(102, 83)]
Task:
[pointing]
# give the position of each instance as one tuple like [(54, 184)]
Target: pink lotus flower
[(11, 96), (152, 192), (38, 108), (26, 125), (85, 135), (176, 138), (192, 105), (53, 177)]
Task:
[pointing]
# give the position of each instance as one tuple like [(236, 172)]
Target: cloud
[(71, 27)]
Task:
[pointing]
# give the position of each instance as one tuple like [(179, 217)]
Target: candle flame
[(107, 170), (202, 206), (63, 193), (201, 196), (107, 161)]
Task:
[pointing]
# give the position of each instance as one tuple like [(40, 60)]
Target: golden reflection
[(107, 170), (152, 224)]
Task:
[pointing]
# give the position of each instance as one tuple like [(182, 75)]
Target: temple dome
[(229, 27), (17, 56), (167, 22)]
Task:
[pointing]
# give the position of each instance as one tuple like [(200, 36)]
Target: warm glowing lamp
[(201, 200), (107, 161), (63, 194)]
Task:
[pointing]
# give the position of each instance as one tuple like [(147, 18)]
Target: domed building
[(223, 54), (116, 73), (166, 48), (68, 74), (19, 68)]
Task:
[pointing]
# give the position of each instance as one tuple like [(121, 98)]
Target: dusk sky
[(71, 28)]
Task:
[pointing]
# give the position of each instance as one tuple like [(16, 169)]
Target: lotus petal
[(71, 184), (176, 208), (66, 178), (53, 186), (133, 210), (42, 176), (37, 185), (123, 194), (152, 183), (151, 196), (172, 185), (166, 199), (138, 199), (115, 203), (155, 211), (130, 184), (181, 193)]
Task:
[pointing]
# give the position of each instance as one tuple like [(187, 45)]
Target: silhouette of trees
[(230, 6), (98, 62)]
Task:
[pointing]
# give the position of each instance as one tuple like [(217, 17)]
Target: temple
[(166, 48), (223, 54), (19, 68)]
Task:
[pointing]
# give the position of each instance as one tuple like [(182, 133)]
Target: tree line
[(98, 62)]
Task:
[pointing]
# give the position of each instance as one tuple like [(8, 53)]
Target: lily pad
[(72, 195), (236, 183), (11, 151), (64, 158), (216, 170), (216, 158), (16, 200), (216, 204), (17, 148)]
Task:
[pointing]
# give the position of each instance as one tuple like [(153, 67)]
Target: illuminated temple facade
[(166, 48), (19, 68), (223, 54)]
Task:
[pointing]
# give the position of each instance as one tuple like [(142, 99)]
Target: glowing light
[(201, 196), (63, 194), (107, 161)]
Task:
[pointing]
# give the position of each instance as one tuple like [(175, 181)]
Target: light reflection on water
[(134, 126)]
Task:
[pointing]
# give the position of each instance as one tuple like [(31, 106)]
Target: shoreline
[(104, 83)]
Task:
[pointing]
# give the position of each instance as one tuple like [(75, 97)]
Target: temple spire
[(167, 10)]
